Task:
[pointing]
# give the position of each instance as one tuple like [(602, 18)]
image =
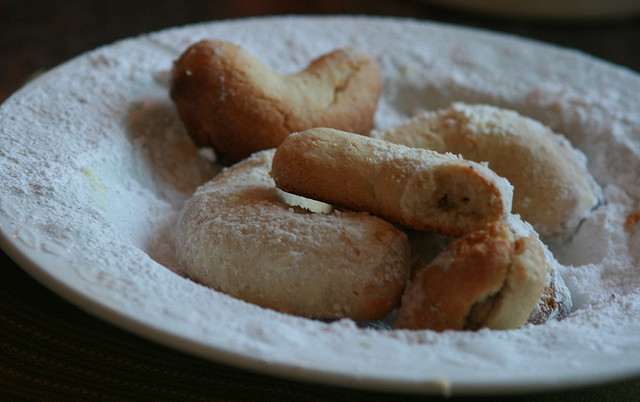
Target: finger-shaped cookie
[(552, 188), (229, 100), (486, 279), (414, 187), (237, 235)]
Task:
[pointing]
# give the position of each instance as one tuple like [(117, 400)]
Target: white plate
[(95, 165)]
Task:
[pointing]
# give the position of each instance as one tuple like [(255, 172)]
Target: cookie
[(553, 189), (228, 100), (239, 235), (417, 188), (486, 279)]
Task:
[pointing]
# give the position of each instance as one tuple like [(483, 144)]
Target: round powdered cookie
[(237, 235), (552, 188)]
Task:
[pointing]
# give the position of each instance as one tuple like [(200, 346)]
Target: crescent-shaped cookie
[(229, 100), (554, 303), (552, 188), (237, 235), (414, 187)]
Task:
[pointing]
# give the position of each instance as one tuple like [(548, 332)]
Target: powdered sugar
[(95, 165)]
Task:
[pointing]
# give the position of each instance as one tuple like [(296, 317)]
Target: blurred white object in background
[(549, 9)]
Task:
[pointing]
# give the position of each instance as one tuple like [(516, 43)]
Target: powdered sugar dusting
[(95, 166)]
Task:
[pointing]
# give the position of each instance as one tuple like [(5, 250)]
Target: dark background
[(36, 35)]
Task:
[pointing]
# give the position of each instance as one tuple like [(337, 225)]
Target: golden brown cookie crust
[(413, 187), (487, 278), (229, 100)]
